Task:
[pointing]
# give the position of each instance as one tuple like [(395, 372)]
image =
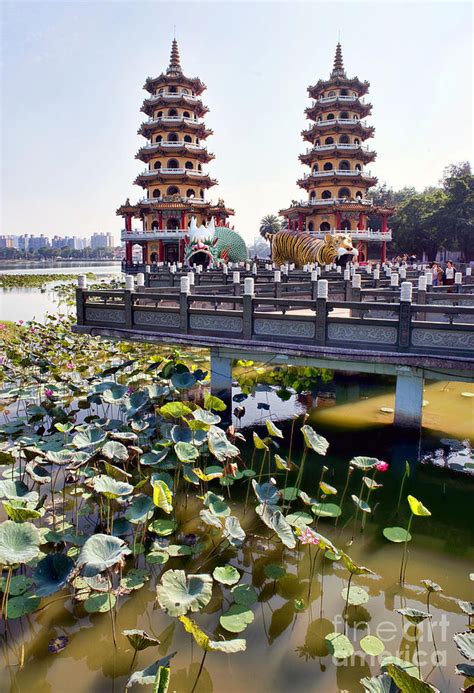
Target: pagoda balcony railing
[(338, 121), (338, 172), (342, 147), (172, 95), (338, 97), (182, 200), (171, 145), (152, 235), (172, 171), (333, 201), (175, 119), (357, 234)]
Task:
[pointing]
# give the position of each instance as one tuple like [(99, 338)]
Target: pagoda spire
[(175, 65), (338, 68)]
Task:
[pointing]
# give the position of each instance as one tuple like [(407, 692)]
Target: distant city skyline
[(72, 90), (31, 242)]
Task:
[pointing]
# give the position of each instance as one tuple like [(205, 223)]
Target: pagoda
[(174, 180), (337, 182)]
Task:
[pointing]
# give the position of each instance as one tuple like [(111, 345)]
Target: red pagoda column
[(361, 224), (300, 222), (144, 253), (160, 220), (383, 223), (128, 223), (128, 252), (161, 251), (383, 252), (338, 220), (183, 219)]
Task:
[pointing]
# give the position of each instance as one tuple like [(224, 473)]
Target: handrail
[(179, 143), (172, 95), (176, 171), (174, 119), (338, 172), (336, 145)]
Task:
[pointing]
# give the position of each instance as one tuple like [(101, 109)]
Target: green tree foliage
[(269, 225), (439, 218)]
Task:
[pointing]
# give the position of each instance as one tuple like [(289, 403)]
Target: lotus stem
[(368, 498), (200, 671), (347, 601), (112, 620), (349, 472), (6, 592), (401, 487), (405, 557)]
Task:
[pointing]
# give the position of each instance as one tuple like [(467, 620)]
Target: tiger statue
[(304, 248)]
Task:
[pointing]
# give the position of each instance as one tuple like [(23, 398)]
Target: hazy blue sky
[(72, 90)]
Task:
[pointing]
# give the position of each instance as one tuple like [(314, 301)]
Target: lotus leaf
[(361, 504), (467, 607), (465, 643), (157, 557), (139, 639), (210, 519), (356, 596), (286, 465), (431, 586), (22, 605), (246, 595), (353, 568), (227, 575), (299, 519), (153, 457), (379, 684), (326, 509), (100, 603), (114, 450), (220, 446), (19, 512), (174, 410), (140, 510), (162, 496), (275, 520), (417, 507), (407, 683), (183, 381), (414, 615), (339, 645), (213, 402), (186, 452), (18, 585), (272, 429), (236, 618), (465, 669), (372, 645), (114, 394), (134, 579), (227, 646), (274, 571), (157, 674), (314, 441), (327, 489), (364, 463), (111, 488), (101, 552), (163, 527), (398, 535), (181, 434), (179, 593), (290, 493), (267, 492), (18, 491), (216, 504), (19, 543), (90, 438), (52, 573), (206, 417)]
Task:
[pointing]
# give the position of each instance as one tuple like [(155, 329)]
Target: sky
[(71, 92)]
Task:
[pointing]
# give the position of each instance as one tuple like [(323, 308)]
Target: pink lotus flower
[(48, 393), (2, 326), (20, 322), (69, 365), (381, 466), (306, 536)]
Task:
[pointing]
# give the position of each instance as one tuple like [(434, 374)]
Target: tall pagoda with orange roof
[(337, 182), (174, 180)]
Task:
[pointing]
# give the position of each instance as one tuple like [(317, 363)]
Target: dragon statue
[(304, 248), (211, 244)]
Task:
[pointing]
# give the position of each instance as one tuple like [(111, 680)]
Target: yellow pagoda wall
[(182, 188)]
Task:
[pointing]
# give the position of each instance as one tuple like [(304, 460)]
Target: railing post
[(225, 274), (404, 320), (321, 312), (356, 293), (347, 284), (140, 280), (236, 283), (314, 284), (421, 299), (247, 307), (184, 291), (147, 275), (458, 281), (128, 300), (80, 303), (277, 283), (376, 276)]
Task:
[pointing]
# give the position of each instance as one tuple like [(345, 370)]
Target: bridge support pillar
[(221, 379), (408, 398)]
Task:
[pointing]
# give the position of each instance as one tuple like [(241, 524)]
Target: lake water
[(285, 647)]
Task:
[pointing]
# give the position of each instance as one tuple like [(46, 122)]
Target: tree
[(269, 225)]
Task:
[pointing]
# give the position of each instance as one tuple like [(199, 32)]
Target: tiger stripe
[(304, 249)]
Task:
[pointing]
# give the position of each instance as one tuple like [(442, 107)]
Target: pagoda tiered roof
[(338, 151), (174, 123), (173, 75), (336, 177), (180, 148), (172, 99), (346, 102), (173, 176), (345, 125)]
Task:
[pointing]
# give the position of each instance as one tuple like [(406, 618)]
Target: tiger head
[(342, 244)]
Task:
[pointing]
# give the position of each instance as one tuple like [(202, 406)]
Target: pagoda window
[(358, 167), (172, 112), (201, 194), (324, 226), (157, 164), (344, 92), (310, 226), (156, 193), (344, 166), (344, 115), (317, 143), (188, 164), (197, 140), (173, 163), (173, 137), (329, 140), (343, 192), (315, 168), (330, 116), (159, 114), (158, 138), (359, 195), (313, 195), (172, 190), (199, 167), (184, 91), (328, 166), (172, 224), (356, 117), (344, 139), (186, 114), (172, 90), (190, 193), (346, 225), (154, 226), (160, 91), (357, 140), (326, 194), (188, 138), (332, 93)]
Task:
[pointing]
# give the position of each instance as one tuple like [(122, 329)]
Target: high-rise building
[(338, 182), (102, 240), (174, 180)]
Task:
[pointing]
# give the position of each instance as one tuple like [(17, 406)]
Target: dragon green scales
[(213, 245)]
